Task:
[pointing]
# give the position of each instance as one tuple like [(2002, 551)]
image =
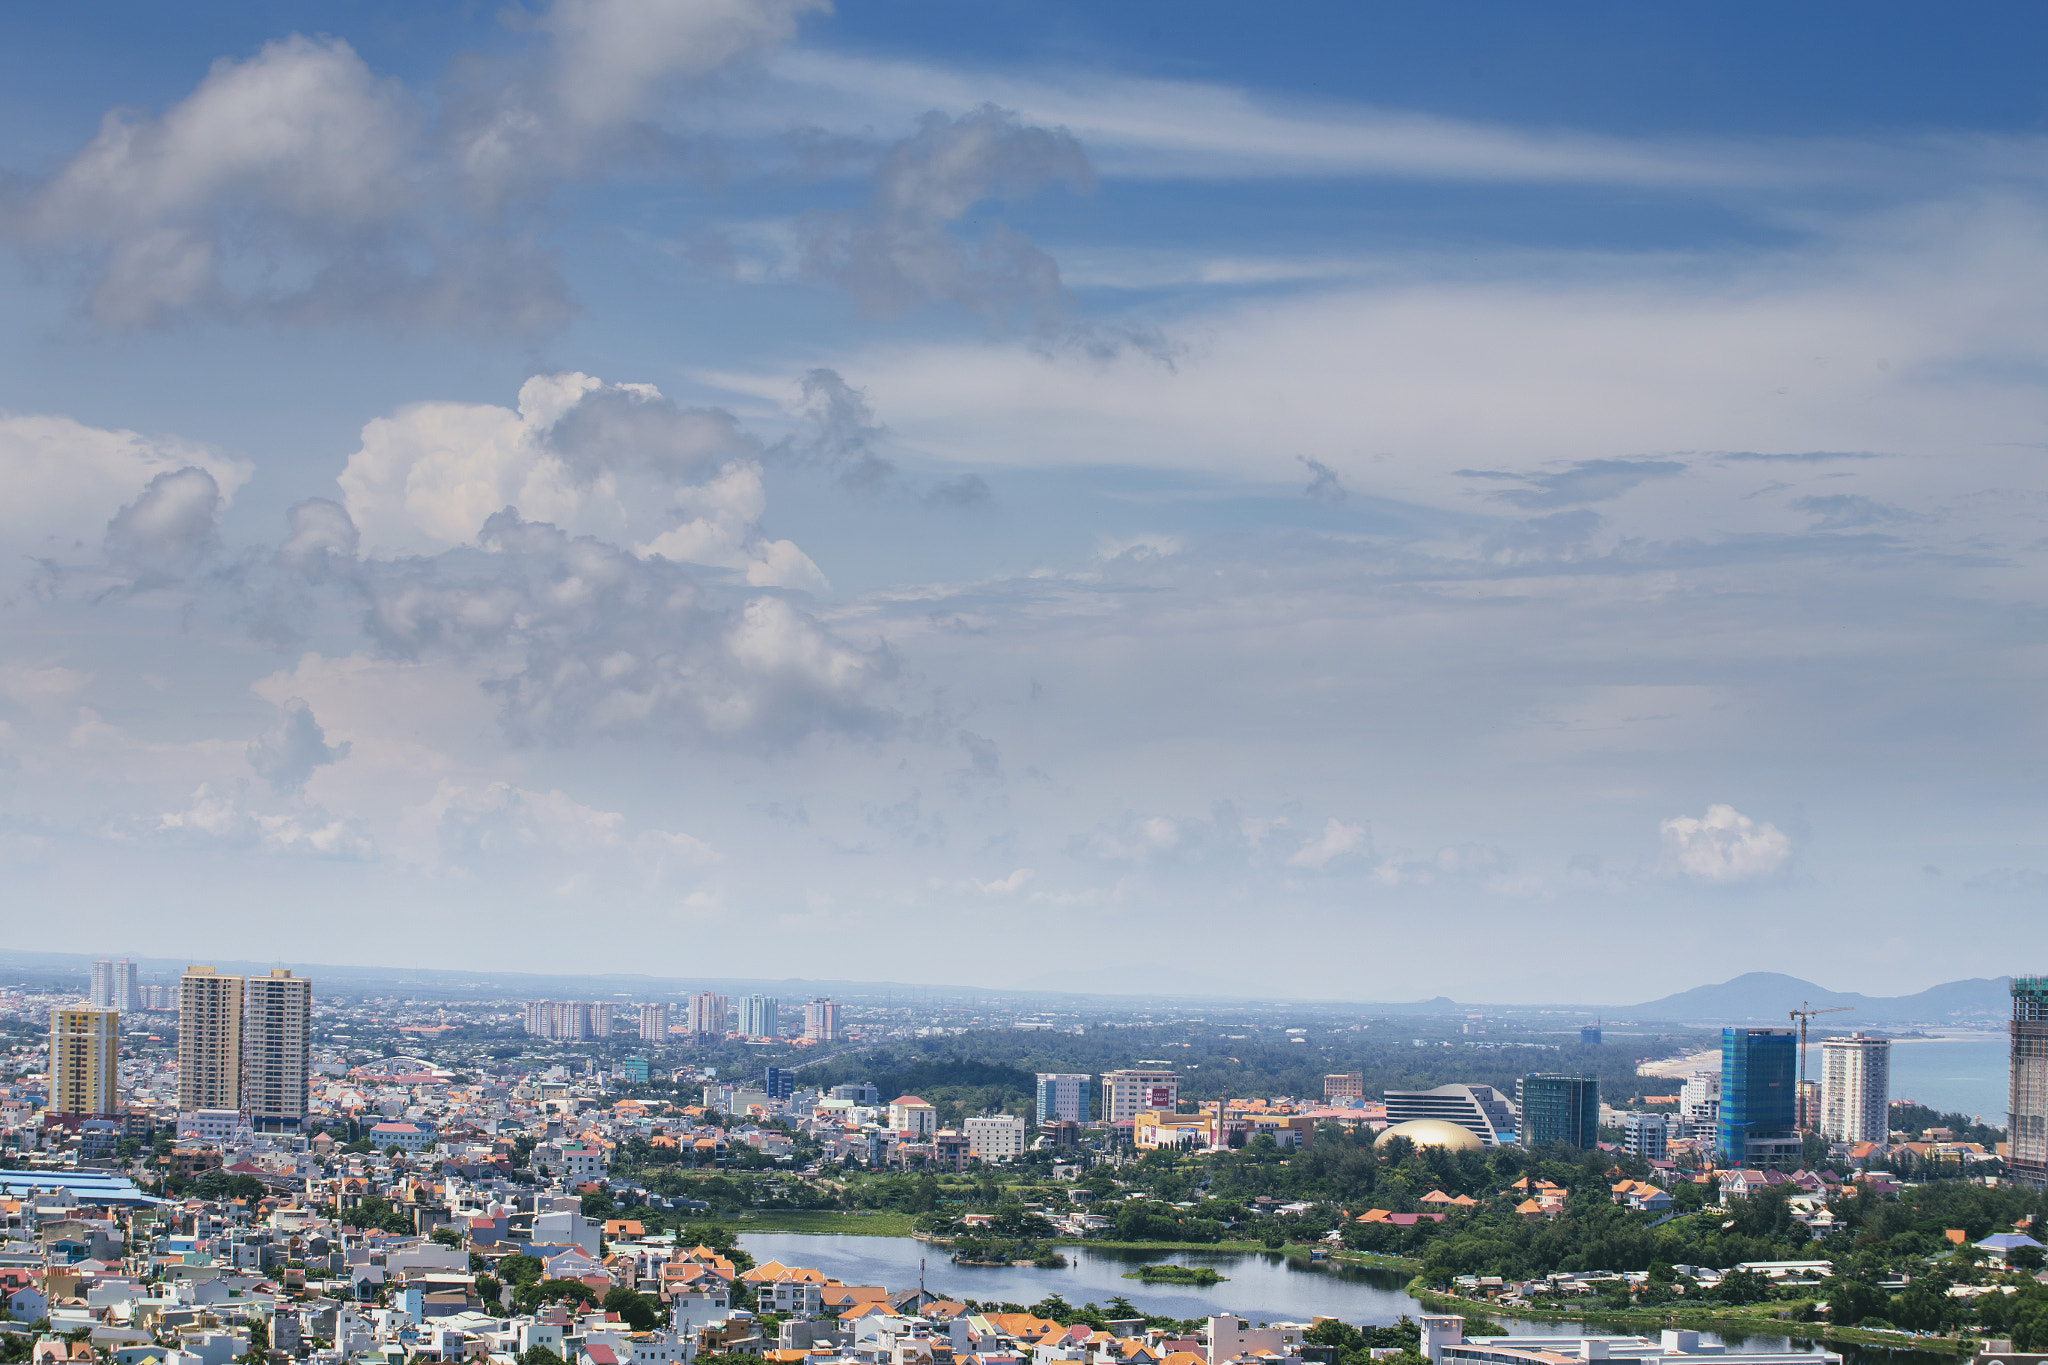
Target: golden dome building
[(1433, 1133)]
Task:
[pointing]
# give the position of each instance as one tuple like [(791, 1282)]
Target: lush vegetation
[(1175, 1274)]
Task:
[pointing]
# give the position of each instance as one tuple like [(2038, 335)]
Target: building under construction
[(2028, 1107)]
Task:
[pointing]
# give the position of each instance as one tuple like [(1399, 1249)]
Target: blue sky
[(1270, 502)]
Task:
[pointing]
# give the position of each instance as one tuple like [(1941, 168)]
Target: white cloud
[(64, 481), (1007, 886), (1337, 840), (218, 815), (614, 461), (1149, 128), (612, 55), (1725, 846), (302, 133)]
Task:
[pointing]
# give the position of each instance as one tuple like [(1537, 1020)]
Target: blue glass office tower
[(1560, 1109), (1759, 1073)]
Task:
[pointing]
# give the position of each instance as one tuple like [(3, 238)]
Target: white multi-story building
[(760, 1017), (1063, 1095), (994, 1137), (100, 993), (821, 1021), (1127, 1093), (277, 1049), (909, 1114), (127, 986), (1855, 1089), (1646, 1135), (654, 1023), (209, 1041), (1699, 1105), (708, 1014)]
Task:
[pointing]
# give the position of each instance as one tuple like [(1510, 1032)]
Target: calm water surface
[(1262, 1286)]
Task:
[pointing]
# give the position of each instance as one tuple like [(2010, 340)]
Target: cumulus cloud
[(900, 251), (293, 745), (217, 816), (290, 185), (170, 531), (1725, 846), (615, 461), (322, 542), (296, 184), (1337, 840), (1007, 886), (65, 481), (611, 56), (596, 639)]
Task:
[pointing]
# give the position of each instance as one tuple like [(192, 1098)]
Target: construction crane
[(1805, 1012)]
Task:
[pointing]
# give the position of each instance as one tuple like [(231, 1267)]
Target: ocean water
[(1957, 1072)]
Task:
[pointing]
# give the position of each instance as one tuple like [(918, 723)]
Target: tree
[(636, 1310), (539, 1355)]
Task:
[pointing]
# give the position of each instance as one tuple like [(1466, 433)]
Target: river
[(1261, 1286)]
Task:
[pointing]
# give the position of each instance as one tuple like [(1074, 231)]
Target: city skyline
[(1196, 488)]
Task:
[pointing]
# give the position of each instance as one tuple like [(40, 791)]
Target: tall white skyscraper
[(100, 994), (654, 1023), (1855, 1089), (209, 1040), (821, 1021), (760, 1017), (277, 1040), (127, 986), (708, 1013)]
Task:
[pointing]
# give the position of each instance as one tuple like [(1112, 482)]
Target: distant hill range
[(1764, 997)]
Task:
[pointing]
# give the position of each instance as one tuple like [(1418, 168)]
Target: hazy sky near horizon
[(1521, 504)]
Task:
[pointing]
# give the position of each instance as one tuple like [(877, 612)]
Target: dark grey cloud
[(628, 430), (170, 531), (1585, 482), (1324, 485), (287, 752), (588, 639), (968, 490), (1850, 511), (901, 251), (323, 541)]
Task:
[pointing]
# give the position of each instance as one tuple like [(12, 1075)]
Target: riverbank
[(831, 1222), (1755, 1319), (1294, 1251)]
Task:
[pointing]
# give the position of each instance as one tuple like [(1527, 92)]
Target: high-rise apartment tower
[(209, 1040), (2027, 1107), (100, 993), (277, 1039), (84, 1061), (708, 1013), (1855, 1089), (654, 1023), (760, 1017), (821, 1021)]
